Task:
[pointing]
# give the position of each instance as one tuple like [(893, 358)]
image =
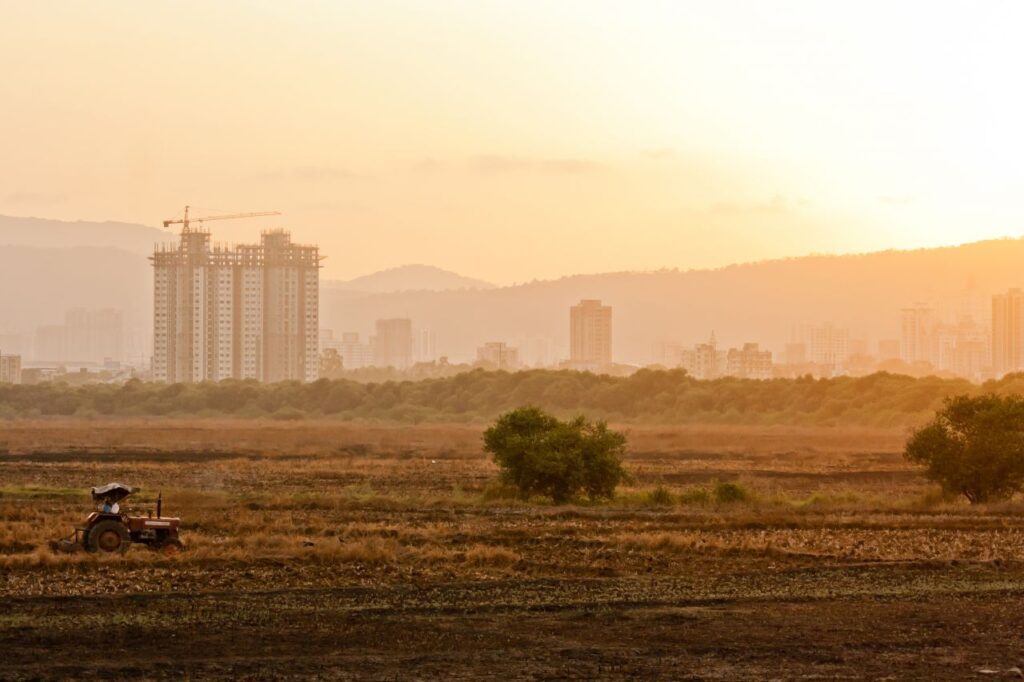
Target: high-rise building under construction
[(248, 312)]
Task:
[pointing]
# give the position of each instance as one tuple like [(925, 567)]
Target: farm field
[(340, 550)]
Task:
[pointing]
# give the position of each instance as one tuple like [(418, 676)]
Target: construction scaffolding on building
[(235, 312)]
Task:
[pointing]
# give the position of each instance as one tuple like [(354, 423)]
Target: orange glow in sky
[(514, 140)]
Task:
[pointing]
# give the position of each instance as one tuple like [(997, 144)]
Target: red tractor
[(109, 530)]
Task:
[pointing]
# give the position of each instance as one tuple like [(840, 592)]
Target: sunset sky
[(519, 140)]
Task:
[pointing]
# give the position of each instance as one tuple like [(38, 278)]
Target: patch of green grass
[(659, 497), (727, 492), (23, 491)]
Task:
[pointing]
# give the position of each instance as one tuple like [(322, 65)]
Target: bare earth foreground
[(330, 550)]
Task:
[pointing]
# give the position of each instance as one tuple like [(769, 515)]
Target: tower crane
[(185, 220)]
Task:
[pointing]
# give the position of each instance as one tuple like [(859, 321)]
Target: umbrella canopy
[(114, 492)]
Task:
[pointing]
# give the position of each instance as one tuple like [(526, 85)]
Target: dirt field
[(350, 551)]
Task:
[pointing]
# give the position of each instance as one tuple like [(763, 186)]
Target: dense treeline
[(647, 396)]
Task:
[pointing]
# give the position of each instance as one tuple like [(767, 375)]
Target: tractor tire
[(169, 546), (108, 537)]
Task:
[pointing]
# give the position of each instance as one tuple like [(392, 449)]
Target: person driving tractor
[(109, 531)]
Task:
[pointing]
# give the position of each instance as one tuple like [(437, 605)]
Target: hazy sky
[(514, 140)]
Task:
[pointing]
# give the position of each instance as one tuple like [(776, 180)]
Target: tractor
[(110, 531)]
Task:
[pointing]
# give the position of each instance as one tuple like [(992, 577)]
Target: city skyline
[(960, 344)]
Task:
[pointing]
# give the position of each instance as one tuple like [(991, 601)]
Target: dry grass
[(484, 555), (877, 544), (401, 502)]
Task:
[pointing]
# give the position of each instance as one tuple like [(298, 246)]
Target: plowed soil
[(370, 552)]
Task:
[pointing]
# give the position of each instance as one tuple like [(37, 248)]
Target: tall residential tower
[(590, 335), (249, 312), (392, 347), (1008, 332)]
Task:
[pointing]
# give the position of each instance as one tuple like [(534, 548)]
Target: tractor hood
[(115, 492)]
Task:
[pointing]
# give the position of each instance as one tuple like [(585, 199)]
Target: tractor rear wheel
[(108, 537)]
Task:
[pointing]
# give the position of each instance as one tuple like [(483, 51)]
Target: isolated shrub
[(542, 455), (974, 447), (659, 497), (727, 493)]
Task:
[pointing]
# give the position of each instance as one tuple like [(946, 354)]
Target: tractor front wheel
[(108, 537)]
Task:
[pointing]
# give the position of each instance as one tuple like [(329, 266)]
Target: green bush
[(660, 497), (727, 492), (974, 447), (542, 455)]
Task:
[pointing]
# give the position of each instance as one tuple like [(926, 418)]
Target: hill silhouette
[(44, 233), (414, 277)]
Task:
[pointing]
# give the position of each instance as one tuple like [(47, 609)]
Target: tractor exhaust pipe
[(159, 503)]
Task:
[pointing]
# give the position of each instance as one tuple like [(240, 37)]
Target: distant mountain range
[(408, 278), (48, 266), (43, 233)]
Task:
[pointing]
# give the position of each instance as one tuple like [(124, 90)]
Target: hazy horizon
[(519, 141), (170, 236)]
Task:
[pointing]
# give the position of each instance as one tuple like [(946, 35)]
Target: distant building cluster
[(962, 347), (248, 312), (91, 345), (498, 355), (926, 345), (352, 353), (397, 344), (86, 336), (707, 361), (820, 350), (961, 344), (394, 345)]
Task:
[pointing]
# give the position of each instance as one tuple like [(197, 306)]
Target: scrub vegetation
[(646, 397)]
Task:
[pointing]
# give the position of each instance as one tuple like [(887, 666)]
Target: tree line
[(648, 396)]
